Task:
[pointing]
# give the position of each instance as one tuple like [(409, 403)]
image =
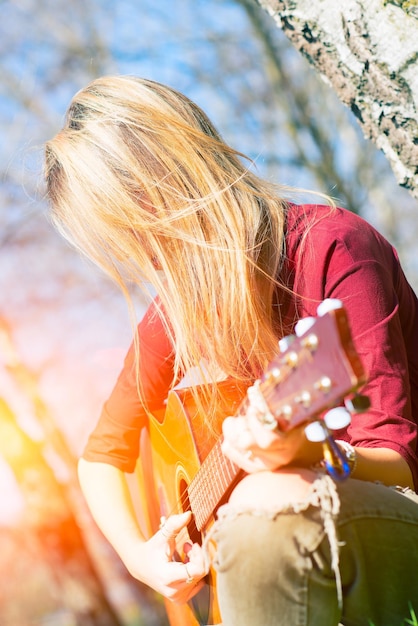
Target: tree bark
[(368, 51)]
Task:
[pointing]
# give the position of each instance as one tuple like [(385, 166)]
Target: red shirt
[(343, 257)]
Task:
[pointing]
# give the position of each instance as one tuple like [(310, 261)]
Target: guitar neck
[(315, 373), (212, 483)]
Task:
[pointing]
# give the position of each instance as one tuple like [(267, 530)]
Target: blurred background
[(64, 328)]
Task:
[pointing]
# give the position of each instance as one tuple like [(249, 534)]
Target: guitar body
[(173, 448), (181, 466)]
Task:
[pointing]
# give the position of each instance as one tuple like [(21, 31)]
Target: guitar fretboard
[(215, 476)]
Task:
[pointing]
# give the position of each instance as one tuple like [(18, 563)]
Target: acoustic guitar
[(181, 464)]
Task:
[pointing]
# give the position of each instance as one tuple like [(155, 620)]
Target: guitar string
[(203, 507), (200, 491)]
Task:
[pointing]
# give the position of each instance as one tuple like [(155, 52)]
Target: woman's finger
[(245, 459), (171, 526), (237, 433)]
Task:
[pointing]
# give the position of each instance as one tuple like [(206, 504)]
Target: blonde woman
[(141, 182)]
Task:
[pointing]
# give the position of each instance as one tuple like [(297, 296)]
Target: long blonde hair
[(142, 183)]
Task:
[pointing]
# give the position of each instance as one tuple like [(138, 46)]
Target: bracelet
[(350, 454)]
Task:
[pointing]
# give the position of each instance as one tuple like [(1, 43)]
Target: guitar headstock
[(315, 372)]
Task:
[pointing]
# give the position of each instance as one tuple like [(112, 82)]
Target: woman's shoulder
[(325, 218), (324, 227)]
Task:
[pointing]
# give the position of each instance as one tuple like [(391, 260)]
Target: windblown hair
[(142, 183)]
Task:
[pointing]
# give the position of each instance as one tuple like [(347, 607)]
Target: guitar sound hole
[(194, 534)]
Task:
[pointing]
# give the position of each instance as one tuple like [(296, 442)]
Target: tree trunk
[(368, 51)]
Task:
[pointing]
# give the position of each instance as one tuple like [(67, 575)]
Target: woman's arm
[(104, 486), (382, 464), (253, 447), (151, 561)]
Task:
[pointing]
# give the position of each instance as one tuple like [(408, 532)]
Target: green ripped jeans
[(346, 555)]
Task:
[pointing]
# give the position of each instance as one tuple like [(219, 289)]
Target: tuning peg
[(285, 342), (303, 325), (329, 304), (357, 404), (337, 418), (315, 431)]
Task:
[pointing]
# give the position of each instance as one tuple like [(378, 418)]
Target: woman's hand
[(254, 447), (152, 562)]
